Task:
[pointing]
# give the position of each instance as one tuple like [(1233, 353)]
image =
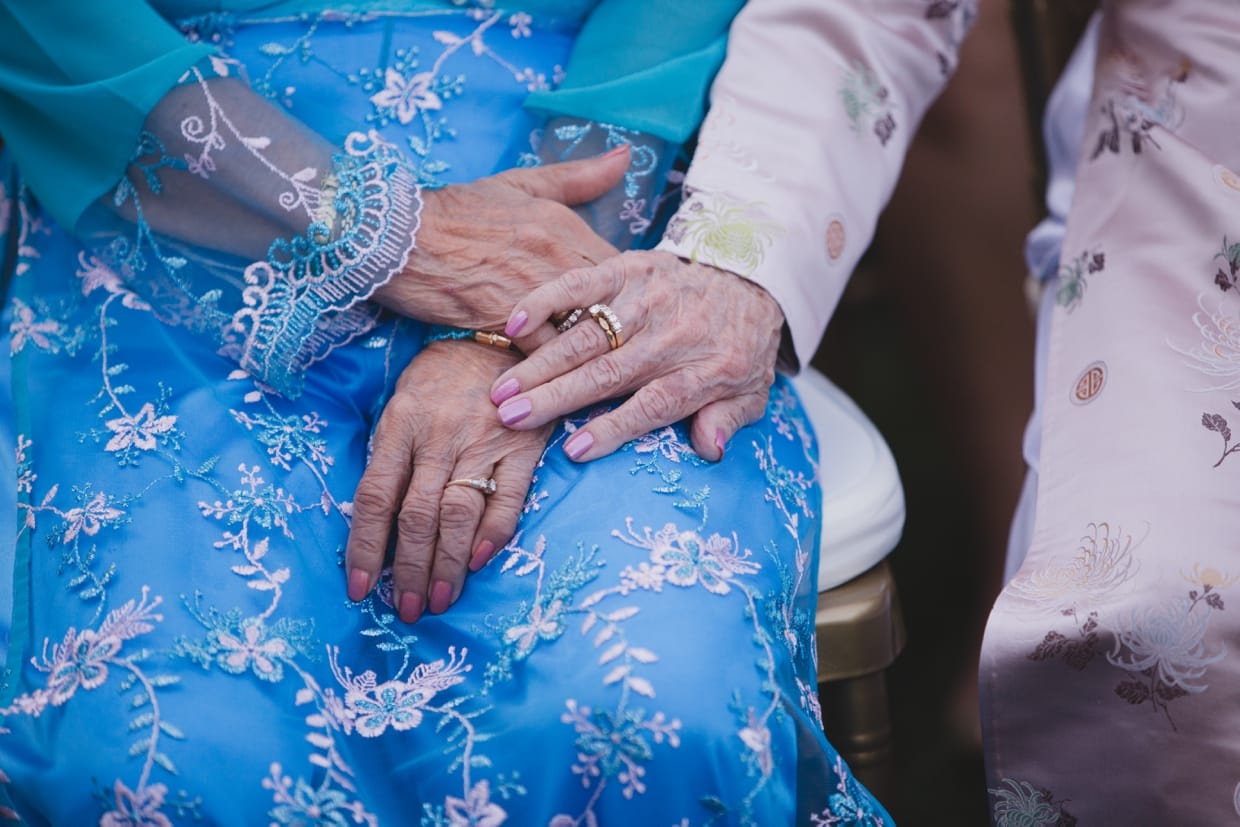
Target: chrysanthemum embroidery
[(723, 233), (1164, 648), (1102, 564), (1020, 804)]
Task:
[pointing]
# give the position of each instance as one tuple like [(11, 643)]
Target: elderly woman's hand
[(695, 340), (484, 245), (438, 427)]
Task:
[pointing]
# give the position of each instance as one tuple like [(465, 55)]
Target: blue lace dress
[(185, 408)]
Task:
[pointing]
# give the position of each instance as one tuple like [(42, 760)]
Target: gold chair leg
[(857, 720)]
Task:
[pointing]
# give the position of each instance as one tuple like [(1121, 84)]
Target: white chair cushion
[(863, 502)]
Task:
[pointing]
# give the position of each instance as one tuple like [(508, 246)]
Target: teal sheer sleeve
[(644, 64), (218, 210), (77, 81)]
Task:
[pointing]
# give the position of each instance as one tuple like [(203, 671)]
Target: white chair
[(858, 625)]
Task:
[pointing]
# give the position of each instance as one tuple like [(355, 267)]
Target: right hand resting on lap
[(483, 246), (439, 426)]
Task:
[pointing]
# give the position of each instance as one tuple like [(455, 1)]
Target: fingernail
[(719, 443), (514, 410), (611, 153), (578, 444), (441, 597), (482, 555), (410, 607), (508, 388), (359, 584), (516, 324)]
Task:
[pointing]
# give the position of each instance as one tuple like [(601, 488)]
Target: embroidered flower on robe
[(138, 431), (476, 809), (758, 738), (80, 661), (690, 558), (90, 518), (138, 808), (25, 327), (407, 96), (1169, 639), (546, 624), (263, 656)]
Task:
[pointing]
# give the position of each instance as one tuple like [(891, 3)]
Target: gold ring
[(610, 323), (563, 321), (485, 486)]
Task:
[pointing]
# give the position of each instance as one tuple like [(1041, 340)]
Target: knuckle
[(581, 344), (578, 281), (416, 522), (372, 499), (411, 571), (604, 376), (456, 511), (656, 405)]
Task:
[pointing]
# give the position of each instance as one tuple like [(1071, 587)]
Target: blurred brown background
[(935, 342)]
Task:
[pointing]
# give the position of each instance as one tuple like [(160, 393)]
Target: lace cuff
[(243, 225), (303, 300)]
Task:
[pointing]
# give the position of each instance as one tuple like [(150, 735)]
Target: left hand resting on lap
[(439, 426), (696, 340)]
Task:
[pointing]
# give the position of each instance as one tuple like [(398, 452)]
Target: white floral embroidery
[(139, 430), (408, 96), (1170, 639)]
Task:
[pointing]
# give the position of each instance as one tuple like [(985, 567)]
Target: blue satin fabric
[(181, 647)]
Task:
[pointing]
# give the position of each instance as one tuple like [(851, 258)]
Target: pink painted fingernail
[(578, 444), (359, 584), (516, 324), (514, 410), (482, 555), (614, 151), (506, 389), (441, 597), (410, 607), (719, 443)]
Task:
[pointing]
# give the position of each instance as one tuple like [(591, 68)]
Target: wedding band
[(610, 323), (486, 486), (563, 321), (487, 337)]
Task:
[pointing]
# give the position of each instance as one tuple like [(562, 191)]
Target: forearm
[(787, 182)]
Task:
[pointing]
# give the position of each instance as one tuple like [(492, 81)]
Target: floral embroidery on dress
[(1098, 572), (867, 102), (84, 661), (1072, 277), (1020, 804), (1162, 645), (1137, 105), (721, 232)]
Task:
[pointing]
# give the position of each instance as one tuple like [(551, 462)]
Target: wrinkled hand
[(482, 246), (697, 340), (439, 426)]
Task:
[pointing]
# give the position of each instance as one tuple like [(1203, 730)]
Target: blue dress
[(180, 649)]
